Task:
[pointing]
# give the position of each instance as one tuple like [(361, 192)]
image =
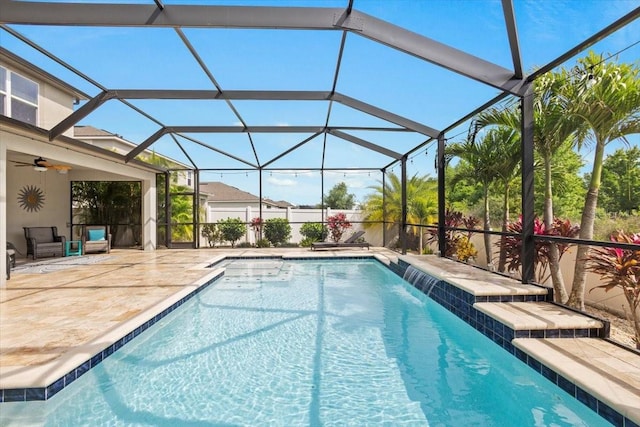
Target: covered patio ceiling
[(220, 88)]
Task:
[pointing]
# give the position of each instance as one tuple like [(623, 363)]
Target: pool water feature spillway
[(521, 319)]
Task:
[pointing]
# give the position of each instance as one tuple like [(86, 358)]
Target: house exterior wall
[(54, 103), (54, 106)]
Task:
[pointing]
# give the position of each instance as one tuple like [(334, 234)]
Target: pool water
[(308, 343)]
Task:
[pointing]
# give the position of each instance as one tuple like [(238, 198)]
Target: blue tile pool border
[(460, 303)]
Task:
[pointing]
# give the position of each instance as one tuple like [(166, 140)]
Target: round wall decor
[(31, 198)]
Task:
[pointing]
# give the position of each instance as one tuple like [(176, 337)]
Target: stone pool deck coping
[(50, 322)]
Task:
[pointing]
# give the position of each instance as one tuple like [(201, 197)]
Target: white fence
[(296, 217)]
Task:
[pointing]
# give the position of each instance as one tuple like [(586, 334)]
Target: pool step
[(596, 372), (542, 320)]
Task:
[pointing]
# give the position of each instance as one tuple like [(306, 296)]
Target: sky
[(134, 58)]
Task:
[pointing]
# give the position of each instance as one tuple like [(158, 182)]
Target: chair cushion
[(96, 234), (41, 234)]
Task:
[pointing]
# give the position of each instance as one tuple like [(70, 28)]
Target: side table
[(73, 247)]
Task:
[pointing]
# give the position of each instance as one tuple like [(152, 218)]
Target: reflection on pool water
[(308, 343)]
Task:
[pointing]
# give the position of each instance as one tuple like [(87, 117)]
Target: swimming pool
[(308, 343)]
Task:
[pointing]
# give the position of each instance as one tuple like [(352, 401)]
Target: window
[(18, 97), (189, 178)]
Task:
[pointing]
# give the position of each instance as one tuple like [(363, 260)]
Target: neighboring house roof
[(91, 131), (222, 193), (282, 203)]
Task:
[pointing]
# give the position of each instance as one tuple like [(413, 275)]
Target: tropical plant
[(488, 156), (116, 203), (314, 232), (277, 231), (211, 233), (606, 97), (421, 209), (231, 229), (620, 268), (452, 220), (621, 181), (465, 250), (552, 129), (181, 208), (339, 197), (542, 255), (507, 142), (385, 203), (337, 225)]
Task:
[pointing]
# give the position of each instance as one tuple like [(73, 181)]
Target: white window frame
[(9, 96)]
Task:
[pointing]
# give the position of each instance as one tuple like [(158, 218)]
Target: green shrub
[(307, 242), (244, 245), (211, 233), (263, 243), (277, 231), (314, 231), (232, 229)]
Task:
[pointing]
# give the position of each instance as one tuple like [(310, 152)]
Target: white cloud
[(281, 182)]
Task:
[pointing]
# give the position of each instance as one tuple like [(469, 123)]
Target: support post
[(384, 208), (528, 211), (442, 232), (403, 221), (196, 216)]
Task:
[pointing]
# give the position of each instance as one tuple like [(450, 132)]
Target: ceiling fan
[(41, 165)]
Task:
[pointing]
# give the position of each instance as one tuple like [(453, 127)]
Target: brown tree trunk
[(502, 262), (487, 226), (559, 291), (576, 298)]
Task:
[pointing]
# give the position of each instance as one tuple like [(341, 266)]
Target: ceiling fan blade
[(20, 164)]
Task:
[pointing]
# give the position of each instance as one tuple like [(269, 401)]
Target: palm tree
[(507, 142), (421, 202), (552, 129), (483, 155), (606, 97), (422, 209)]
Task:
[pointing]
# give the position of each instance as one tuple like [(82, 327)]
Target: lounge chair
[(348, 243)]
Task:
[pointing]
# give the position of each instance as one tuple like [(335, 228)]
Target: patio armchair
[(96, 238), (11, 258), (44, 241)]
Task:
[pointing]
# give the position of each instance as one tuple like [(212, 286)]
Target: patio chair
[(11, 258), (44, 241), (351, 242), (96, 238)]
